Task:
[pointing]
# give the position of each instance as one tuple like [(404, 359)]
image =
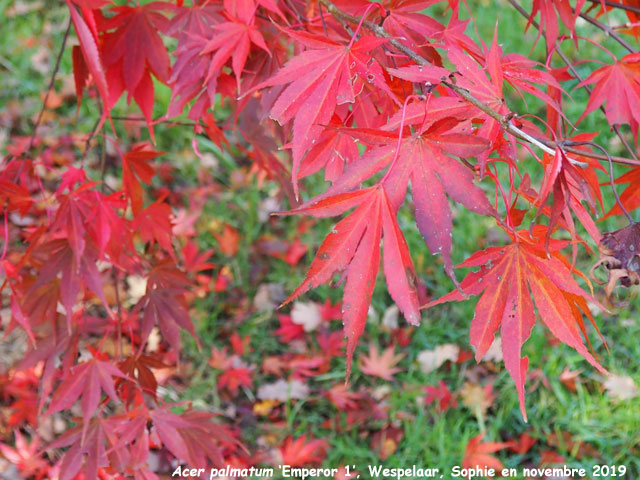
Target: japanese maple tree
[(398, 108)]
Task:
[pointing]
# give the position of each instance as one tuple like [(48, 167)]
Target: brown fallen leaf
[(477, 398), (569, 378), (566, 441), (385, 441)]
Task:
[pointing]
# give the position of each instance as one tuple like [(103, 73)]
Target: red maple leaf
[(15, 196), (422, 160), (333, 149), (196, 260), (139, 368), (341, 396), (164, 307), (630, 197), (136, 169), (132, 51), (27, 457), (326, 75), (288, 331), (354, 245), (232, 39), (87, 59), (88, 444), (571, 186), (330, 343), (192, 437), (406, 21), (523, 444), (87, 380), (619, 87), (192, 26), (441, 395), (477, 454), (549, 19), (154, 223), (508, 279), (520, 72), (300, 452), (234, 378), (74, 273)]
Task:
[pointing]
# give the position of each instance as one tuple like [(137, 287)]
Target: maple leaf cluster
[(66, 288), (404, 114)]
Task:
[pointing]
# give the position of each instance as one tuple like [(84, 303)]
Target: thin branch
[(613, 186), (588, 89), (546, 145), (377, 29), (324, 24), (50, 87), (114, 276), (504, 120), (609, 31), (621, 6), (603, 158), (87, 142), (381, 32), (611, 178), (624, 142), (154, 122)]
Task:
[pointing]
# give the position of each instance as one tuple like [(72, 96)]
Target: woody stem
[(546, 145)]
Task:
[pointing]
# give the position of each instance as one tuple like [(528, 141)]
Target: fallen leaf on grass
[(523, 444), (264, 407), (341, 396), (306, 314), (621, 387), (288, 331), (297, 453), (549, 457), (476, 397), (477, 454), (268, 297), (390, 317), (440, 394), (282, 390), (236, 377), (385, 442), (383, 366), (430, 360), (569, 378), (494, 354), (228, 240), (565, 441)]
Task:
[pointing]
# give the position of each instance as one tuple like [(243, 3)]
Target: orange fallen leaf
[(477, 454), (569, 378), (228, 240)]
